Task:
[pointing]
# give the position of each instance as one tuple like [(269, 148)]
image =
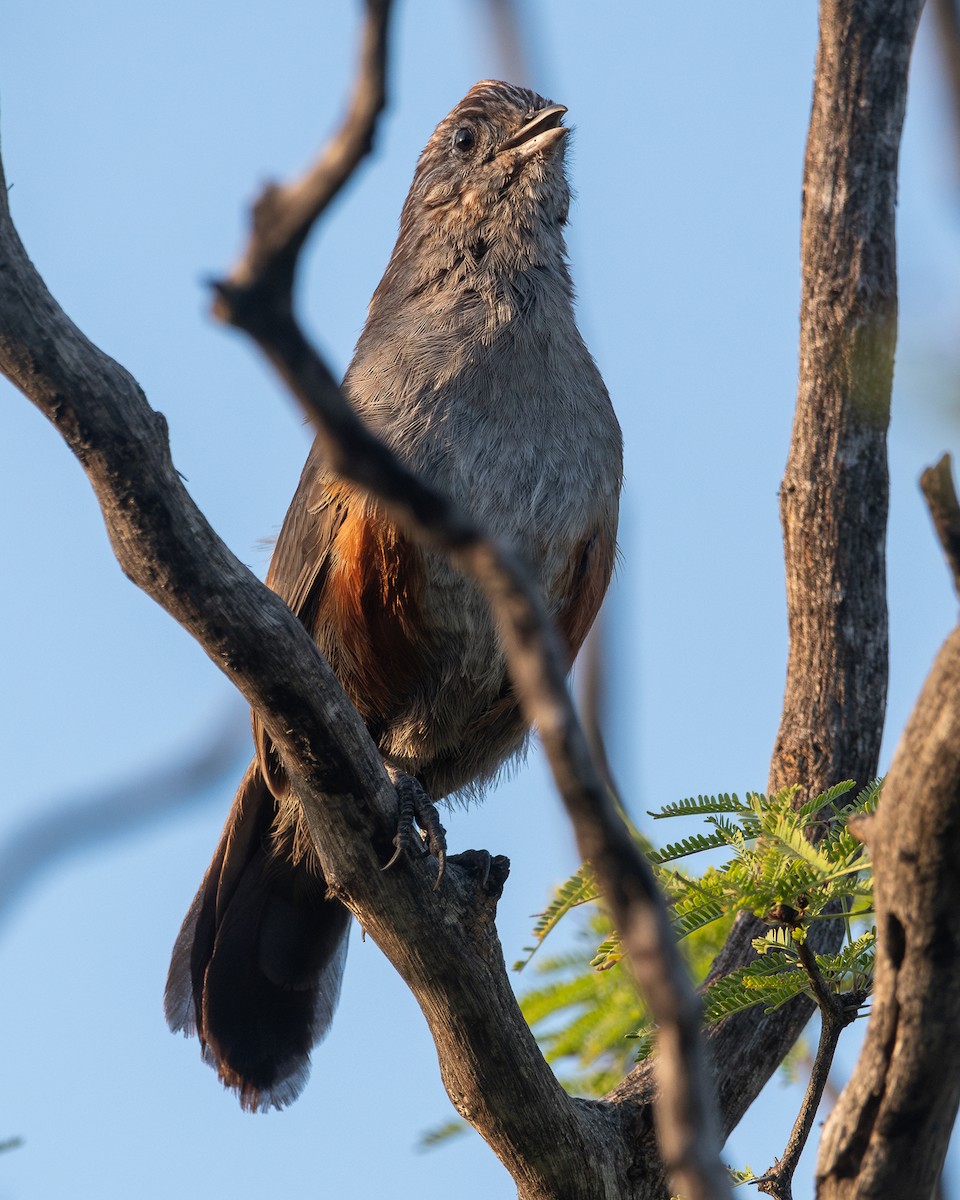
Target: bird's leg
[(417, 811)]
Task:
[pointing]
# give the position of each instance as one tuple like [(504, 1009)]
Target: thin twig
[(947, 14), (116, 810), (936, 483), (829, 1003), (592, 692), (507, 22), (778, 1180), (284, 214), (256, 298), (836, 1013)]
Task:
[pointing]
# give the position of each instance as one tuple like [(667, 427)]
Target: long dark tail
[(258, 962)]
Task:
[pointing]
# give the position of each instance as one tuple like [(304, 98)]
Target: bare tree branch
[(778, 1180), (71, 826), (936, 483), (889, 1132), (256, 298), (446, 949), (505, 18), (834, 492), (284, 215), (836, 1013), (593, 696), (947, 14)]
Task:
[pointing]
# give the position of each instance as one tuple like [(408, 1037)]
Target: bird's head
[(491, 180)]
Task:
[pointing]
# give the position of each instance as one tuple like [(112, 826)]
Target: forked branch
[(889, 1132), (256, 298), (447, 950)]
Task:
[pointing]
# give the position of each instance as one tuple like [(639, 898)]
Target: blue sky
[(134, 138)]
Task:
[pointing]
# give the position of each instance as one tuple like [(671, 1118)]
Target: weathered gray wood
[(889, 1132), (833, 498), (443, 944)]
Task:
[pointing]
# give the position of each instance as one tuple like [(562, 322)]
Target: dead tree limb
[(889, 1132), (77, 823), (257, 299), (833, 499), (947, 16), (445, 947), (834, 493)]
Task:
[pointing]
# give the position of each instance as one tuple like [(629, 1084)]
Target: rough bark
[(443, 944), (888, 1134), (257, 298), (833, 498)]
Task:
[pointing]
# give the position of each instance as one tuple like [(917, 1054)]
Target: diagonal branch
[(836, 1013), (446, 948), (947, 16), (72, 825), (936, 483), (834, 493), (256, 298), (889, 1132), (284, 214)]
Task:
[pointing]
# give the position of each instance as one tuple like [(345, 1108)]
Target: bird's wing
[(584, 586), (301, 558), (298, 572)]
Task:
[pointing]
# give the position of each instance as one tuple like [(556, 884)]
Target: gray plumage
[(471, 367)]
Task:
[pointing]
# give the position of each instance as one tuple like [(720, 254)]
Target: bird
[(470, 366)]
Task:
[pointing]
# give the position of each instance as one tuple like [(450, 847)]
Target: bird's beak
[(542, 132)]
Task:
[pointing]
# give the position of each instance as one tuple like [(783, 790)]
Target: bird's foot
[(418, 825)]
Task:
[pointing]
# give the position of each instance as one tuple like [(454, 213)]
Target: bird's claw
[(416, 811)]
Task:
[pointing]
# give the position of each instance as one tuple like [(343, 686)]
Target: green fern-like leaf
[(782, 989), (778, 868), (695, 806), (644, 1039), (687, 846), (609, 953), (581, 1016), (738, 1177), (580, 888), (868, 798), (788, 830), (852, 967), (732, 835), (442, 1135), (692, 919), (726, 997), (770, 981), (827, 799), (778, 938)]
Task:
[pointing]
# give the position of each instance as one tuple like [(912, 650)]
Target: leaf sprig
[(787, 864)]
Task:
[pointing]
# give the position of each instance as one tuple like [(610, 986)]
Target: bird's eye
[(464, 139)]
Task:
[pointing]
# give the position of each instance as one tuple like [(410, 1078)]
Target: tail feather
[(257, 966)]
